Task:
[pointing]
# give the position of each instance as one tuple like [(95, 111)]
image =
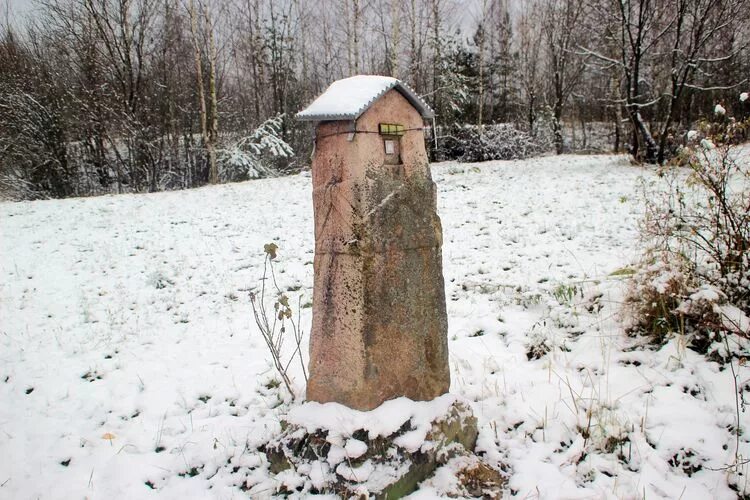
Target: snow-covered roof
[(347, 99)]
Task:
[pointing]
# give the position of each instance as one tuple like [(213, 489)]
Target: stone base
[(383, 453)]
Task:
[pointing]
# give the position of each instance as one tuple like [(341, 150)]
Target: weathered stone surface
[(379, 321), (395, 465)]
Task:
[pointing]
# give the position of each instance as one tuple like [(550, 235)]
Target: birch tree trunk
[(355, 38), (395, 38), (213, 112), (198, 71), (208, 117), (349, 37)]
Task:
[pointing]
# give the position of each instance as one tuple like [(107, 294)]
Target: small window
[(392, 129), (390, 147)]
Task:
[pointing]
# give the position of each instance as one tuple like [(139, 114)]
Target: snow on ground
[(130, 365)]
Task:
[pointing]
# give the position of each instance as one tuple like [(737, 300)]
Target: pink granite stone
[(379, 321)]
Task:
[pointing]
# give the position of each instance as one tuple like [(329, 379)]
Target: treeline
[(100, 96)]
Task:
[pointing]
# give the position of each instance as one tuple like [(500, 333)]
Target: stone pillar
[(379, 321)]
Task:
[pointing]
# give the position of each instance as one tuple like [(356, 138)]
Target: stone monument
[(379, 328)]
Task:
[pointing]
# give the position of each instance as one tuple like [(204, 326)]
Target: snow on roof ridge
[(348, 98), (429, 112)]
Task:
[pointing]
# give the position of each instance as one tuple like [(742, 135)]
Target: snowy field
[(130, 365)]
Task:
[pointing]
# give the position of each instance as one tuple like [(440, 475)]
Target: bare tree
[(418, 18), (481, 41), (353, 21), (529, 49), (562, 29), (676, 38), (395, 36), (696, 25), (633, 27), (501, 68), (213, 109), (129, 95), (208, 111)]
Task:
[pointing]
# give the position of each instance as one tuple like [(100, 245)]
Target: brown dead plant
[(275, 327)]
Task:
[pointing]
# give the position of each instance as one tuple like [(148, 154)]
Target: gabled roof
[(347, 99)]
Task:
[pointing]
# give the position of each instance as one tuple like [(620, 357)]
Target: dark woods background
[(103, 96)]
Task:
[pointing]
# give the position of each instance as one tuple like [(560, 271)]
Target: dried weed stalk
[(274, 328)]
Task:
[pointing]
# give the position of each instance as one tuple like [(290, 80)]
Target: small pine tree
[(253, 156)]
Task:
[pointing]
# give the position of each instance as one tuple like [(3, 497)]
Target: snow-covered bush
[(255, 156), (470, 143), (34, 162), (658, 305), (696, 275)]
